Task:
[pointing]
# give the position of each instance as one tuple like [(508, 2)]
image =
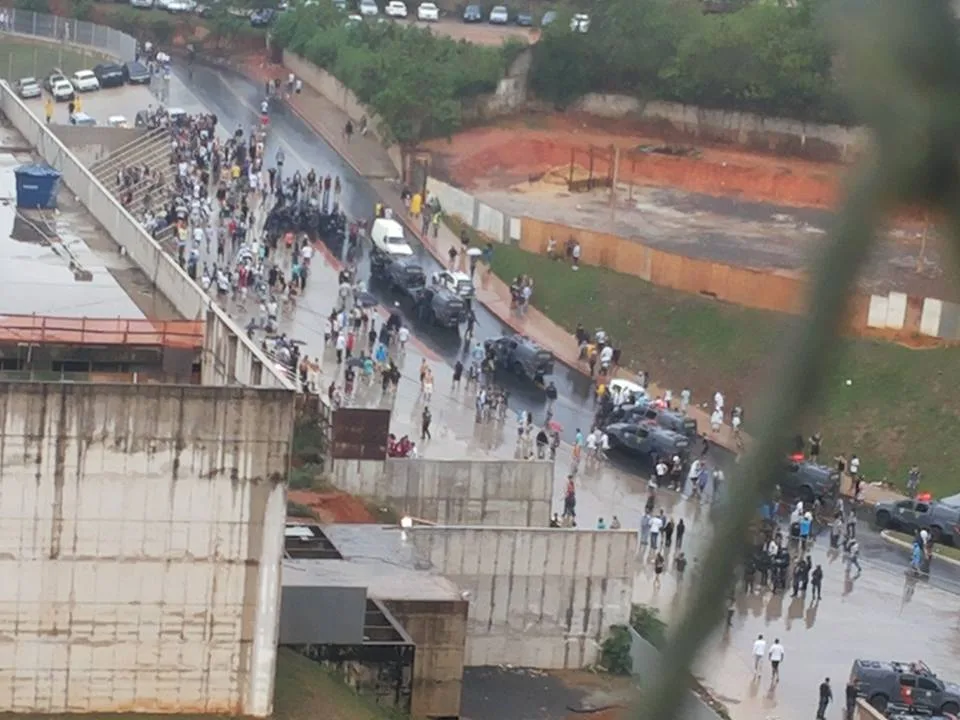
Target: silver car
[(28, 88)]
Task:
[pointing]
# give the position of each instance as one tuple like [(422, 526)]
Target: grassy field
[(947, 551), (902, 407), (304, 691), (21, 58)]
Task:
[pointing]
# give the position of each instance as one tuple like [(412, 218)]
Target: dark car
[(644, 411), (899, 685), (441, 307), (646, 440), (472, 14), (940, 517), (109, 74), (809, 481), (136, 73), (524, 19), (263, 17), (407, 277), (521, 355)]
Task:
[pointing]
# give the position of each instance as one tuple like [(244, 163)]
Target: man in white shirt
[(403, 335), (854, 467), (776, 657), (656, 522), (759, 650), (661, 473)]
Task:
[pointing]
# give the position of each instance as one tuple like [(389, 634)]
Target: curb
[(888, 537)]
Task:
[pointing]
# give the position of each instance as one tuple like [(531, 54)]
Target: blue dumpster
[(37, 186)]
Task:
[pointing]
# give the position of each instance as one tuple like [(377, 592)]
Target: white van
[(387, 237)]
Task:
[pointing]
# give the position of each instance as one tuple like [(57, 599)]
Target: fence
[(67, 31)]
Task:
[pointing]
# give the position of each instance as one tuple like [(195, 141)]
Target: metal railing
[(70, 31)]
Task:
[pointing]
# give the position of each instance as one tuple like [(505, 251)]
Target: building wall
[(141, 532), (454, 492), (439, 630), (92, 144), (541, 598)]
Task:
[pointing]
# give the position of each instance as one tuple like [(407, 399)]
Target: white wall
[(141, 532), (453, 201), (246, 363), (541, 598)]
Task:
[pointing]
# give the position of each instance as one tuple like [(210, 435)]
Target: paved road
[(881, 614)]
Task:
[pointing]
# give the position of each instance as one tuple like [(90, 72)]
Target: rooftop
[(379, 558), (62, 263)]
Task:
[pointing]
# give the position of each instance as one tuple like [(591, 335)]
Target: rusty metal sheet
[(360, 434)]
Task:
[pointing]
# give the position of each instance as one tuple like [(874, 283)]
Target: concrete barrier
[(229, 358), (452, 492), (491, 222), (541, 598), (454, 201)]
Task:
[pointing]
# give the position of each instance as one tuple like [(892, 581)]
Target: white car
[(618, 386), (580, 23), (184, 6), (62, 90), (369, 8), (456, 282), (145, 4), (428, 12), (354, 19), (396, 9), (499, 15), (85, 80)]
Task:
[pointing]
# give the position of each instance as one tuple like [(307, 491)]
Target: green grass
[(903, 406), (21, 58), (946, 551), (304, 691)]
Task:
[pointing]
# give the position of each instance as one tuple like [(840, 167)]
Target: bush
[(615, 651), (646, 621), (769, 58), (413, 80)]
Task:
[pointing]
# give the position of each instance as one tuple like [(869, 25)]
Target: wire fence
[(73, 44)]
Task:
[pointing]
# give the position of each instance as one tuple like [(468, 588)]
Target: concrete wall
[(453, 492), (141, 531), (542, 598), (770, 134), (92, 144), (439, 630), (229, 358)]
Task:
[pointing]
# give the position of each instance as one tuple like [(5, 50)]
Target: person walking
[(679, 531), (656, 523), (425, 424), (854, 557), (826, 696), (852, 692), (816, 581), (759, 650), (776, 657)]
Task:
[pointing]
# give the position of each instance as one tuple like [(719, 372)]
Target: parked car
[(646, 440), (643, 411), (406, 276), (439, 306), (889, 685), (62, 90), (619, 386), (28, 88), (580, 23), (369, 8), (353, 19), (136, 73), (809, 481), (85, 81), (109, 74), (396, 9), (180, 6), (262, 17), (521, 355), (53, 76), (499, 15), (940, 517), (428, 12), (145, 4), (81, 118), (524, 19), (472, 14), (388, 241), (548, 17), (119, 121), (458, 283)]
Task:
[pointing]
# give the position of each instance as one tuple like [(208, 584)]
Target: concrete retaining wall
[(92, 144), (453, 492), (142, 531), (783, 136), (542, 598), (229, 357)]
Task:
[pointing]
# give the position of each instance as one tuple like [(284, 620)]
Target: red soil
[(332, 507)]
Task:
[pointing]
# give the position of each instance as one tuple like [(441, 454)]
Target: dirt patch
[(333, 507)]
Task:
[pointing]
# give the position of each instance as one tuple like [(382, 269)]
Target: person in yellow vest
[(378, 210), (416, 203), (48, 109), (77, 107)]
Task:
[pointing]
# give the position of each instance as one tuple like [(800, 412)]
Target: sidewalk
[(364, 153)]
